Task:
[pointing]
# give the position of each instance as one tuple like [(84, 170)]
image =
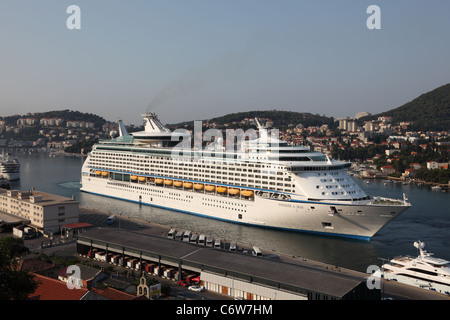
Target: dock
[(238, 274)]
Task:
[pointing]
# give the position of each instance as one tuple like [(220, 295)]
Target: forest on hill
[(428, 112), (280, 119)]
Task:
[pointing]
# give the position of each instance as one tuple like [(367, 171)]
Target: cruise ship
[(9, 168), (264, 182), (424, 271)]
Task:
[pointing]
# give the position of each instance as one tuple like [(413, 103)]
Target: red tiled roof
[(77, 225), (114, 294), (52, 289), (33, 265)]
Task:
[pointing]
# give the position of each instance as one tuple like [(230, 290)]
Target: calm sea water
[(428, 219)]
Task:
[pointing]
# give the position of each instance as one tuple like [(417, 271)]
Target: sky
[(198, 59)]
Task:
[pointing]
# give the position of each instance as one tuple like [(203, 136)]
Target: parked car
[(197, 288)]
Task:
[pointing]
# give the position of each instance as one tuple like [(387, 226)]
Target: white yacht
[(9, 167), (267, 183), (424, 271)]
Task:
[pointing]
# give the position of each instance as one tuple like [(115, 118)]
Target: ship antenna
[(405, 199)]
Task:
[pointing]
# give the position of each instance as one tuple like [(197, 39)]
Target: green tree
[(14, 284)]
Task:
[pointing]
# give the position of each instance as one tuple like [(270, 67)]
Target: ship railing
[(387, 201)]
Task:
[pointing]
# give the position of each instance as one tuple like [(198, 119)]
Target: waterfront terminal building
[(233, 274)]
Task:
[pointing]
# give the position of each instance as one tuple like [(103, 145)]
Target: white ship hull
[(429, 285), (425, 271), (11, 176), (360, 221)]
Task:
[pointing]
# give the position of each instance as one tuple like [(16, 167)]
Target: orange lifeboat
[(247, 193), (105, 173), (159, 181), (98, 172), (133, 178), (142, 179), (168, 182), (210, 188), (198, 186), (221, 189), (187, 185), (177, 183), (233, 191)]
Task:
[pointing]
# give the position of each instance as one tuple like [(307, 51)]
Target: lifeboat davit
[(198, 186), (233, 191), (187, 185), (221, 189), (247, 193), (210, 188)]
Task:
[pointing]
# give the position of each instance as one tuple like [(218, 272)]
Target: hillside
[(67, 115), (430, 111), (281, 119)]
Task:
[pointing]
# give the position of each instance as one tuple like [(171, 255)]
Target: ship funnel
[(122, 130)]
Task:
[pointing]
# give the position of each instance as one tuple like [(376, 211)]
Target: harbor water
[(428, 219)]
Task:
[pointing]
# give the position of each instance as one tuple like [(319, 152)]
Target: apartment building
[(46, 212)]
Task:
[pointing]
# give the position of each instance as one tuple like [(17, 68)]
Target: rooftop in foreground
[(278, 273)]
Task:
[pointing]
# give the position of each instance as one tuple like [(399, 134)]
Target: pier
[(234, 274)]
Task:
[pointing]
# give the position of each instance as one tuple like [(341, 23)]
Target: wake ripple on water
[(70, 185)]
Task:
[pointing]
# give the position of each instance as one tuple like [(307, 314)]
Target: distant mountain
[(429, 112), (280, 119)]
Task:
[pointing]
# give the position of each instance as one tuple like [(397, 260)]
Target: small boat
[(133, 177), (247, 193), (436, 188), (177, 183), (187, 185), (159, 181), (221, 189), (233, 191), (142, 179), (168, 182), (198, 186), (210, 188)]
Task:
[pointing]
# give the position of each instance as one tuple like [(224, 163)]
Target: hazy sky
[(197, 59)]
